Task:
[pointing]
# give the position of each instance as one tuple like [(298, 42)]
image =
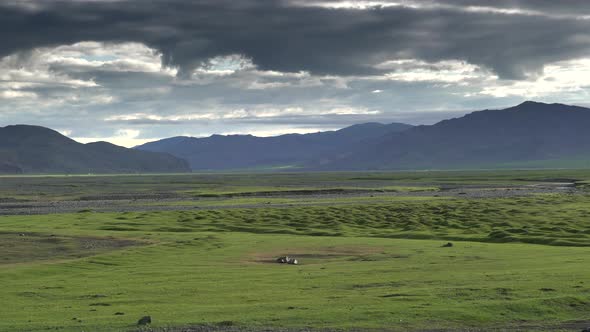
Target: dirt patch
[(234, 327), (301, 192), (11, 200), (314, 255), (29, 247), (130, 196)]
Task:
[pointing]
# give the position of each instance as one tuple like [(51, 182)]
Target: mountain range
[(529, 135), (34, 149), (220, 152)]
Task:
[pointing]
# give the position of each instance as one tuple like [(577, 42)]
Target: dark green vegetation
[(220, 152), (547, 219), (32, 149), (516, 262)]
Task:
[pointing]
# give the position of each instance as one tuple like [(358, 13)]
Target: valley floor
[(372, 253)]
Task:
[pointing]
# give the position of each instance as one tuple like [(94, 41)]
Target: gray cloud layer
[(93, 68), (277, 35)]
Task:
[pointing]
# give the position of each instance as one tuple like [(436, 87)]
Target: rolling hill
[(220, 152), (528, 135), (33, 149)]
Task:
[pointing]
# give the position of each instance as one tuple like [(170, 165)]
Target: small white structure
[(287, 260)]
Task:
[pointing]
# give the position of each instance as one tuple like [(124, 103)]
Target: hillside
[(528, 135), (220, 152), (33, 149)]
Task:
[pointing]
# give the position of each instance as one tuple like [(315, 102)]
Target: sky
[(133, 71)]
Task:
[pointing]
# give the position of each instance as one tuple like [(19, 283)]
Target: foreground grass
[(343, 282), (359, 267)]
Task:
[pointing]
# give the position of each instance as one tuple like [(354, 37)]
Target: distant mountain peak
[(530, 103), (534, 106), (531, 134)]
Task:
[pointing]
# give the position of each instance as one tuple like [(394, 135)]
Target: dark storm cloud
[(277, 35)]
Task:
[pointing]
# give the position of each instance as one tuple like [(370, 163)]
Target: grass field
[(516, 263)]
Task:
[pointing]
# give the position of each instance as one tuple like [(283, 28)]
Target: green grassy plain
[(521, 262)]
